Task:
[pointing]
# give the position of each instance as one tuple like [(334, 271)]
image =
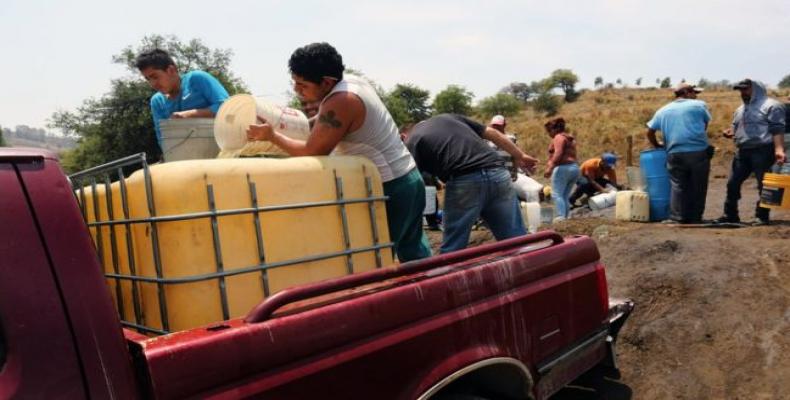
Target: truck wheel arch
[(509, 376)]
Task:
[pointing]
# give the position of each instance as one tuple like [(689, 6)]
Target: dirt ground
[(712, 317)]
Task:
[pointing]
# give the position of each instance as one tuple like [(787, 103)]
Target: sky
[(59, 53)]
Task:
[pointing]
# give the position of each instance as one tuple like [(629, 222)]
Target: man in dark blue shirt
[(452, 148)]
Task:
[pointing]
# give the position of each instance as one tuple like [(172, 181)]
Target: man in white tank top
[(352, 120)]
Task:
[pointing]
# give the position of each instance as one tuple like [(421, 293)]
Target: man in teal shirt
[(195, 94), (684, 123)]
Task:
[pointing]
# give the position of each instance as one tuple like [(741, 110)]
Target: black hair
[(156, 58), (315, 61)]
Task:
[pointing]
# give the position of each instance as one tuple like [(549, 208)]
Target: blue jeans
[(486, 193), (562, 180)]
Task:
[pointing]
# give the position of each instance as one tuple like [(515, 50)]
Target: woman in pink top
[(562, 166)]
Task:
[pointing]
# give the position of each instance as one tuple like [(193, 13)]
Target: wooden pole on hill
[(629, 161)]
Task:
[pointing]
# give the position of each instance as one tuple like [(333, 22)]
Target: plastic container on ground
[(527, 189), (188, 139), (632, 205), (603, 200), (240, 111), (313, 229), (530, 212), (430, 200), (776, 191), (654, 169)]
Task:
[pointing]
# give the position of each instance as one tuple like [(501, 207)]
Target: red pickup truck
[(517, 319)]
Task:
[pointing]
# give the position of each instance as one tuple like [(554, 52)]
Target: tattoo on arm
[(330, 120)]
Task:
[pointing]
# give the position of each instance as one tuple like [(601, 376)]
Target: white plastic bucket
[(188, 139), (240, 111)]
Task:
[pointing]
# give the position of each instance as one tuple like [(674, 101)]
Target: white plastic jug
[(604, 200), (240, 111), (530, 211), (527, 188)]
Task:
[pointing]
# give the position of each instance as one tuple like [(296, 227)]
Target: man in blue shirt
[(195, 94), (684, 123)]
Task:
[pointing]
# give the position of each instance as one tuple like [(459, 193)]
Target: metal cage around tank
[(105, 175)]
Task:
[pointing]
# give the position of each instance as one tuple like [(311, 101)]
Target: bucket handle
[(191, 132)]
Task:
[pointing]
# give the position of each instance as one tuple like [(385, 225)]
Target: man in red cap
[(684, 123)]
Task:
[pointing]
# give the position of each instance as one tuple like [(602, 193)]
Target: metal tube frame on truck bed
[(104, 174)]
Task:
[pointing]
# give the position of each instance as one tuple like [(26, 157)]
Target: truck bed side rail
[(265, 309)]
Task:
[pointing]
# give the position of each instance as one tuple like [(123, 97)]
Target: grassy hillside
[(602, 119)]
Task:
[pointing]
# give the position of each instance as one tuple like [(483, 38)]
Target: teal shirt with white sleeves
[(683, 123), (198, 90)]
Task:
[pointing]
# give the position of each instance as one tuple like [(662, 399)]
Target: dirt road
[(713, 305)]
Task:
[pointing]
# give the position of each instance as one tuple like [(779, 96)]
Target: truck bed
[(525, 299)]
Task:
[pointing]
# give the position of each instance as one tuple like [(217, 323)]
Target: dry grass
[(601, 120)]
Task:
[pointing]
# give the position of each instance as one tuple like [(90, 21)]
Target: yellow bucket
[(776, 191)]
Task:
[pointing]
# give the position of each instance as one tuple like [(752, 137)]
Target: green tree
[(638, 81), (501, 103), (665, 83), (398, 110), (519, 90), (619, 81), (453, 99), (547, 103), (119, 123), (2, 140), (598, 81), (565, 80), (785, 82), (411, 98), (704, 83)]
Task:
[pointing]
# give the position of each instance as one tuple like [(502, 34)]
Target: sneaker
[(670, 222), (760, 222), (727, 220)]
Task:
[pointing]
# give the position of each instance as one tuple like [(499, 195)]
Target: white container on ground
[(188, 139), (632, 206), (530, 212), (603, 200), (430, 200)]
